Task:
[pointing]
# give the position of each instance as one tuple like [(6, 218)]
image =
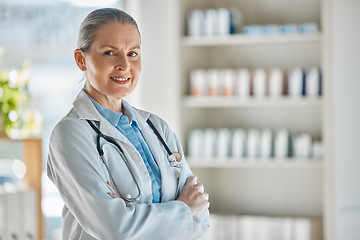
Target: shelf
[(254, 163), (214, 102), (240, 39), (291, 186), (32, 157), (3, 136)]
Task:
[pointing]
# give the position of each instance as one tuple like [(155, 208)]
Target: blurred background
[(262, 95)]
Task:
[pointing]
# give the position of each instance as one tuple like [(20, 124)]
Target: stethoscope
[(174, 158)]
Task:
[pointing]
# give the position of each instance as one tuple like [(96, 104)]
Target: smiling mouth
[(120, 79)]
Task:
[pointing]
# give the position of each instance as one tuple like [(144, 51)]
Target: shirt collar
[(127, 109), (114, 117)]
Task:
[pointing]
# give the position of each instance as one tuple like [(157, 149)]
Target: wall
[(160, 81), (345, 71)]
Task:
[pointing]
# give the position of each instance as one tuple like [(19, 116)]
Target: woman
[(122, 185)]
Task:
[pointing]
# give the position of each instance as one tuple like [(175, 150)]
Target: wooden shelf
[(241, 39), (214, 102), (32, 157), (254, 162)]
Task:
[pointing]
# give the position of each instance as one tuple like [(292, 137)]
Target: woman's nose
[(122, 63)]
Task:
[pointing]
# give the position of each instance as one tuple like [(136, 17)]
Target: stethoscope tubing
[(159, 137), (174, 158), (101, 153)]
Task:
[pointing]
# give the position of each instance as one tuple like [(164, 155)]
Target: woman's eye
[(132, 54), (110, 53)]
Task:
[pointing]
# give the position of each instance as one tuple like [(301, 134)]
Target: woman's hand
[(194, 196)]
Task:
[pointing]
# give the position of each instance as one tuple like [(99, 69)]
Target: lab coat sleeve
[(75, 168), (201, 222)]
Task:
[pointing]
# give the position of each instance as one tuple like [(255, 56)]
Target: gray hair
[(97, 19)]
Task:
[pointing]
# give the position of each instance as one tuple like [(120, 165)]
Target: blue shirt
[(127, 124)]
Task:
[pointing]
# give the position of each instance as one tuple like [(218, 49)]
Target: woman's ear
[(80, 59)]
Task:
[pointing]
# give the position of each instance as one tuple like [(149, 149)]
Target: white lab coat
[(89, 212)]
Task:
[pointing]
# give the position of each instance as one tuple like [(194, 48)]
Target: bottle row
[(226, 21), (285, 29), (213, 22), (251, 143), (259, 82), (262, 228)]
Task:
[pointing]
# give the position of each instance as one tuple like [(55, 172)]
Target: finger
[(206, 196), (200, 187), (191, 180)]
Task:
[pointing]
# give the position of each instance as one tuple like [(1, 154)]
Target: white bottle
[(228, 87), (209, 143), (213, 80), (295, 82), (281, 146), (196, 23), (211, 22), (266, 143), (238, 143), (198, 82), (302, 146), (302, 229), (317, 150), (308, 28), (223, 143), (276, 82), (195, 143), (242, 83), (253, 143), (260, 83), (289, 28), (312, 82), (224, 21)]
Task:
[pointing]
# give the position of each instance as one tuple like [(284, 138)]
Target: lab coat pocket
[(119, 175)]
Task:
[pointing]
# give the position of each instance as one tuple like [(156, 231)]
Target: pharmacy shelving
[(254, 163), (228, 102), (241, 39), (276, 187)]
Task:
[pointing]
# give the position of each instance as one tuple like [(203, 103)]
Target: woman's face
[(113, 62)]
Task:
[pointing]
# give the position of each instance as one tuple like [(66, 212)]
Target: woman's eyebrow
[(113, 47), (135, 47), (109, 46)]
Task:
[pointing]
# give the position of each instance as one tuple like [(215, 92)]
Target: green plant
[(12, 96)]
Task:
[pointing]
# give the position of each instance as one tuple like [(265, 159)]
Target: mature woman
[(120, 171)]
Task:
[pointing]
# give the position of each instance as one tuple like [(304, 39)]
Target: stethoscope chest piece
[(175, 159)]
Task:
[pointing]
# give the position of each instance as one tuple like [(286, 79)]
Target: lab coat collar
[(86, 110), (84, 107)]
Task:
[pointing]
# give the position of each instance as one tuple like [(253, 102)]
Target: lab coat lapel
[(86, 110), (160, 157)]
